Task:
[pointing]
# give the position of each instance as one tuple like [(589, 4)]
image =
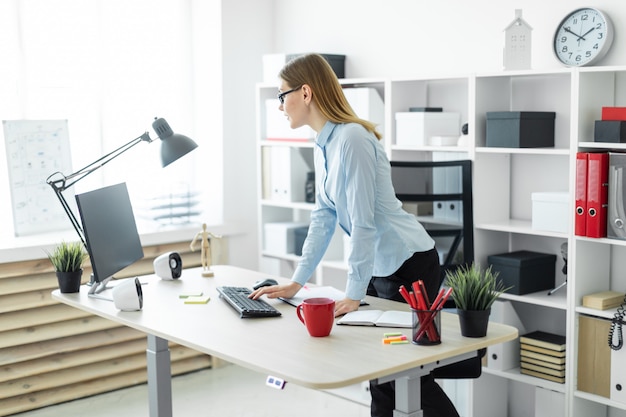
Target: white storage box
[(417, 128), (551, 211), (280, 237)]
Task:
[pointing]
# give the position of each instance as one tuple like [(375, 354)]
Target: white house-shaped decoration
[(517, 44)]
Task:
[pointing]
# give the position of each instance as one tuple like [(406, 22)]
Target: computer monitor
[(110, 230)]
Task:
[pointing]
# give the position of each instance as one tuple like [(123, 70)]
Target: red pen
[(444, 299), (438, 298), (407, 297), (424, 292)]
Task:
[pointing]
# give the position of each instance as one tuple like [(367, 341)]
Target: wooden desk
[(278, 346)]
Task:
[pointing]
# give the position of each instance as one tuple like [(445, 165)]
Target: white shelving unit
[(503, 180)]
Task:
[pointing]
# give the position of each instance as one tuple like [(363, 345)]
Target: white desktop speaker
[(128, 296), (168, 266)]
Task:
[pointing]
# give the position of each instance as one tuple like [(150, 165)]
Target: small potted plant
[(67, 259), (474, 290)]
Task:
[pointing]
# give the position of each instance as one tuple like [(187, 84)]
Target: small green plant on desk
[(68, 257)]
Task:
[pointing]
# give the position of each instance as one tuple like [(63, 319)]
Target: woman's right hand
[(275, 291)]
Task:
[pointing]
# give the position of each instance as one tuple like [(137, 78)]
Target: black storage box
[(612, 131), (337, 63), (520, 129), (299, 237), (524, 271)]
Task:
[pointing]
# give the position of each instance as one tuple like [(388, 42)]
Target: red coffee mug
[(318, 315)]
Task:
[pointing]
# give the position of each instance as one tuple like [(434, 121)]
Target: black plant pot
[(474, 322), (69, 281)]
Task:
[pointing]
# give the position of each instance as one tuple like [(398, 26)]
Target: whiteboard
[(36, 149)]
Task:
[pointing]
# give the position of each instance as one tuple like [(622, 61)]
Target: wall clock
[(583, 37)]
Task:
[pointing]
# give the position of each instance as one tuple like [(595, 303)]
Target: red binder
[(580, 219), (597, 193)]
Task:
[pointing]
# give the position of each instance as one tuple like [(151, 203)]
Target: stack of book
[(543, 355)]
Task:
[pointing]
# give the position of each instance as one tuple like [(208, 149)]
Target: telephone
[(616, 325)]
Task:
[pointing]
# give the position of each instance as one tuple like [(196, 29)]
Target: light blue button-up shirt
[(354, 188)]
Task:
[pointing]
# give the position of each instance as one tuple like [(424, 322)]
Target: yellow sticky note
[(197, 299), (191, 294)]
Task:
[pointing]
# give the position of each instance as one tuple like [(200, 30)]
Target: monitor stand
[(98, 287)]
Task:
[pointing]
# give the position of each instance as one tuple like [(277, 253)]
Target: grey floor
[(226, 391)]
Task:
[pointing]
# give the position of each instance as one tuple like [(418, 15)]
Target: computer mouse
[(265, 283)]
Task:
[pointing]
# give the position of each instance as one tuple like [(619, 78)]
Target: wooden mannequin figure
[(205, 253)]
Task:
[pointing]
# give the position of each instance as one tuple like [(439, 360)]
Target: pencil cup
[(426, 327)]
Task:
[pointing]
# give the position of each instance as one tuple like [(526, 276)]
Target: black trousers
[(424, 266)]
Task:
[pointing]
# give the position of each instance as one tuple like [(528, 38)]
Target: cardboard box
[(594, 356), (280, 237), (417, 128), (612, 131), (550, 211), (520, 129), (603, 300), (524, 271)]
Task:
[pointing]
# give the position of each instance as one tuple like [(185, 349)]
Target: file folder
[(618, 376), (580, 219), (597, 194), (616, 221), (288, 170)]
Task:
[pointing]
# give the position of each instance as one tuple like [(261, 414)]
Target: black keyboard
[(238, 299)]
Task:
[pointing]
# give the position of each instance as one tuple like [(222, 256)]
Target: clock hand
[(579, 37), (587, 33)]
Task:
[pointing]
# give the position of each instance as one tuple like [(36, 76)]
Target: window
[(109, 67)]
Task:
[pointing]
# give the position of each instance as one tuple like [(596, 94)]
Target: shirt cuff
[(356, 290)]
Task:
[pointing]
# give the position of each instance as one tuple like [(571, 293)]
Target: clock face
[(583, 37)]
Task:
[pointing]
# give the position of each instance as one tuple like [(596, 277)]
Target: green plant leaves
[(474, 288), (68, 257)]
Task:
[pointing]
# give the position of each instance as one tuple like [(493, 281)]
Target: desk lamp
[(173, 146)]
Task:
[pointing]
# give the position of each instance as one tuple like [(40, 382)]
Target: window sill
[(27, 248)]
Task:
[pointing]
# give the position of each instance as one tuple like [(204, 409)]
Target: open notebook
[(378, 318), (314, 292)]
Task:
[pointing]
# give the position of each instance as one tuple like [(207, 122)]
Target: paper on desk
[(315, 292)]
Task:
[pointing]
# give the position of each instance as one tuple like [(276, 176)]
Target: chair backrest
[(448, 186)]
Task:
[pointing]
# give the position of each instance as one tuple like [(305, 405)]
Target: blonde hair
[(315, 71)]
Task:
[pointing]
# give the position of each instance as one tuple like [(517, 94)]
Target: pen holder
[(426, 327)]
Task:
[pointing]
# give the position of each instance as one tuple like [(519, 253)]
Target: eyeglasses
[(281, 96)]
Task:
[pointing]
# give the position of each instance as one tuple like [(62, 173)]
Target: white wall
[(398, 38), (390, 38), (246, 36)]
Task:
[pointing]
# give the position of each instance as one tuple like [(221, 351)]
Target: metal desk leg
[(408, 404), (409, 384), (159, 377)]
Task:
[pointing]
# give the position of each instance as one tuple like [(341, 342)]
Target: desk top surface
[(278, 346)]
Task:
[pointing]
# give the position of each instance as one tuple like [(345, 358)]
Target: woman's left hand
[(345, 306)]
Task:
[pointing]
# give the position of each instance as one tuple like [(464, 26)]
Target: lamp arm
[(66, 181), (59, 193)]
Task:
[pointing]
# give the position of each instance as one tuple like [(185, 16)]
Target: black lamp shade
[(173, 145)]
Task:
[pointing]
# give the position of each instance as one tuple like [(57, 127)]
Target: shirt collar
[(325, 133)]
